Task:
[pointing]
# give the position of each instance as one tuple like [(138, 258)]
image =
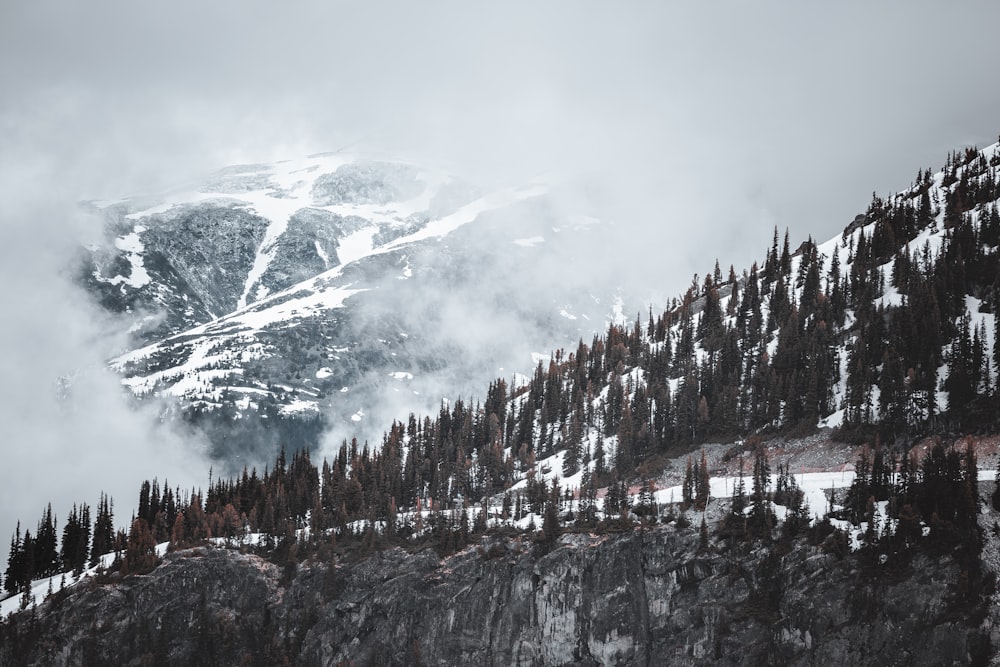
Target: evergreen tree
[(46, 558), (761, 518), (140, 551), (550, 521), (76, 540), (17, 564), (104, 530)]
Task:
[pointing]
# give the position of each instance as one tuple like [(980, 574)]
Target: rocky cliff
[(647, 597)]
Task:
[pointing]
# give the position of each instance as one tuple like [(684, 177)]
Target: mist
[(68, 433), (690, 132)]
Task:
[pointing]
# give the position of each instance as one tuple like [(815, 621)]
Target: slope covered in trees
[(886, 333)]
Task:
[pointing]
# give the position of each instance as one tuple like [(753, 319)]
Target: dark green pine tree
[(572, 455), (17, 562), (76, 539), (739, 501), (960, 383), (892, 393), (104, 530), (761, 518), (46, 543), (785, 264), (771, 262), (702, 484), (688, 487), (550, 521)]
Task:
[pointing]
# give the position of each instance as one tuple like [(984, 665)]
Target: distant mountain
[(276, 301)]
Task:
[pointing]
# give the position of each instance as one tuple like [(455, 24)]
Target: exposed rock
[(367, 183), (640, 598)]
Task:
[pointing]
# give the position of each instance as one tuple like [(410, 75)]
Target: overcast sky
[(696, 127)]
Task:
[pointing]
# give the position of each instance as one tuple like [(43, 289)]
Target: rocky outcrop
[(195, 262), (307, 248), (639, 598), (367, 182)]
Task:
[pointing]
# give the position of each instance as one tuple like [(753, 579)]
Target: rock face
[(640, 598)]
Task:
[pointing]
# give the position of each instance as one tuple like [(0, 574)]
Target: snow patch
[(466, 214), (356, 245), (299, 406), (131, 244)]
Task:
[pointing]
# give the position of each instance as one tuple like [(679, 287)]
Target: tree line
[(769, 352)]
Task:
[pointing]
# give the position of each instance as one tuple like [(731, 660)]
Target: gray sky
[(696, 127)]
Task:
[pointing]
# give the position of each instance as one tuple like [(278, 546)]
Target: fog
[(694, 130)]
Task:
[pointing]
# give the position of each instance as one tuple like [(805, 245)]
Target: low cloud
[(67, 429)]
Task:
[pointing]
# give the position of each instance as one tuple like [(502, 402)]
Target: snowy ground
[(40, 588)]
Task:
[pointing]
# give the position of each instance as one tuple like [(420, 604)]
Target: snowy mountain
[(864, 368), (272, 301)]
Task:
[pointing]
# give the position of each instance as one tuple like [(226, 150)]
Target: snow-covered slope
[(927, 226), (332, 287)]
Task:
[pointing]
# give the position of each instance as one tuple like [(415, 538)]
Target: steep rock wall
[(640, 598)]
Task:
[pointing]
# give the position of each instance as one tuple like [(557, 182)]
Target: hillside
[(657, 456), (643, 598)]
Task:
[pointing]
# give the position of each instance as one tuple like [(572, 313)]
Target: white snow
[(298, 406), (530, 242), (468, 213), (538, 356), (177, 199), (303, 300), (356, 245), (191, 376), (833, 420), (322, 254), (131, 244), (40, 587), (277, 211), (618, 312)]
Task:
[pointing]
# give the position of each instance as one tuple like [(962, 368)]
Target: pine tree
[(761, 518), (178, 538), (703, 535), (702, 484), (76, 539), (687, 488), (46, 553), (739, 500), (104, 530), (140, 550), (16, 564)]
